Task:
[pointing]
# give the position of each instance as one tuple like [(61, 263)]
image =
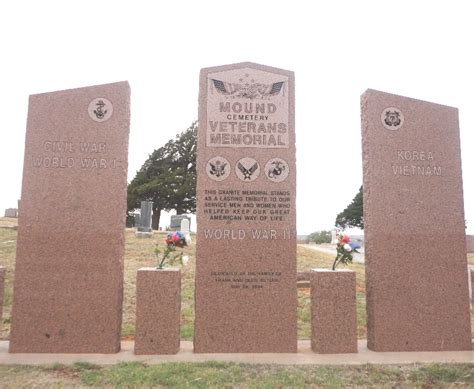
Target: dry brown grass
[(56, 376), (7, 222), (7, 259), (309, 259), (139, 253), (470, 258)]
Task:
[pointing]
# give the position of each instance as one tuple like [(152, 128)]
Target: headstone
[(415, 247), (136, 220), (470, 243), (11, 212), (471, 282), (145, 216), (68, 284), (185, 225), (144, 225), (129, 222), (185, 229), (246, 295), (175, 221)]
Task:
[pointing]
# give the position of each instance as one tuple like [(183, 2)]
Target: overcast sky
[(337, 49)]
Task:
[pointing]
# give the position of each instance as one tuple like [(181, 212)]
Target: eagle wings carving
[(249, 91)]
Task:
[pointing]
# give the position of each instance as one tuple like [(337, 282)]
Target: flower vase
[(158, 311), (333, 311)]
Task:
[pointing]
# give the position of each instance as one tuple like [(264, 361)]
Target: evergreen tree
[(168, 177), (353, 215)]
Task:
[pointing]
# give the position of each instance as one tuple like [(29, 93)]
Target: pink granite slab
[(69, 266), (415, 246), (246, 295)]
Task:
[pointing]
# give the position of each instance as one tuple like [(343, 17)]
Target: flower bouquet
[(344, 248), (173, 240), (177, 239)]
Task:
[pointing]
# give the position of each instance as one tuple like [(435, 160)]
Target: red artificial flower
[(345, 239)]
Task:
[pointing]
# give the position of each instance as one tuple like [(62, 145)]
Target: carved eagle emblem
[(248, 91), (217, 168)]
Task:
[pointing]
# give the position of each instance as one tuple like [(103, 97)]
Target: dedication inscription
[(246, 239), (69, 264), (417, 290)]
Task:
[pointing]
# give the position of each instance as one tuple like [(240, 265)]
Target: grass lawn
[(220, 375)]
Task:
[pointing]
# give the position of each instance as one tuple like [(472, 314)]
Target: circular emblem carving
[(247, 169), (100, 109), (392, 118), (277, 170), (218, 168)]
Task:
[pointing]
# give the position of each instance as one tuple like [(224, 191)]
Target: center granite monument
[(68, 283), (246, 296), (415, 247)]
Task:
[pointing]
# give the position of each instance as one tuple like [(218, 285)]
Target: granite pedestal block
[(333, 311), (158, 312)]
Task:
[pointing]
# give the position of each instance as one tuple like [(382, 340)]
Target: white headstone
[(185, 230), (185, 225)]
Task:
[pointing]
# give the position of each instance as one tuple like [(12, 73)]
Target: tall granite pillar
[(415, 247), (68, 283), (246, 296)]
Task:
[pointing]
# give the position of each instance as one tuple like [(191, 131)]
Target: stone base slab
[(140, 234), (304, 356)]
